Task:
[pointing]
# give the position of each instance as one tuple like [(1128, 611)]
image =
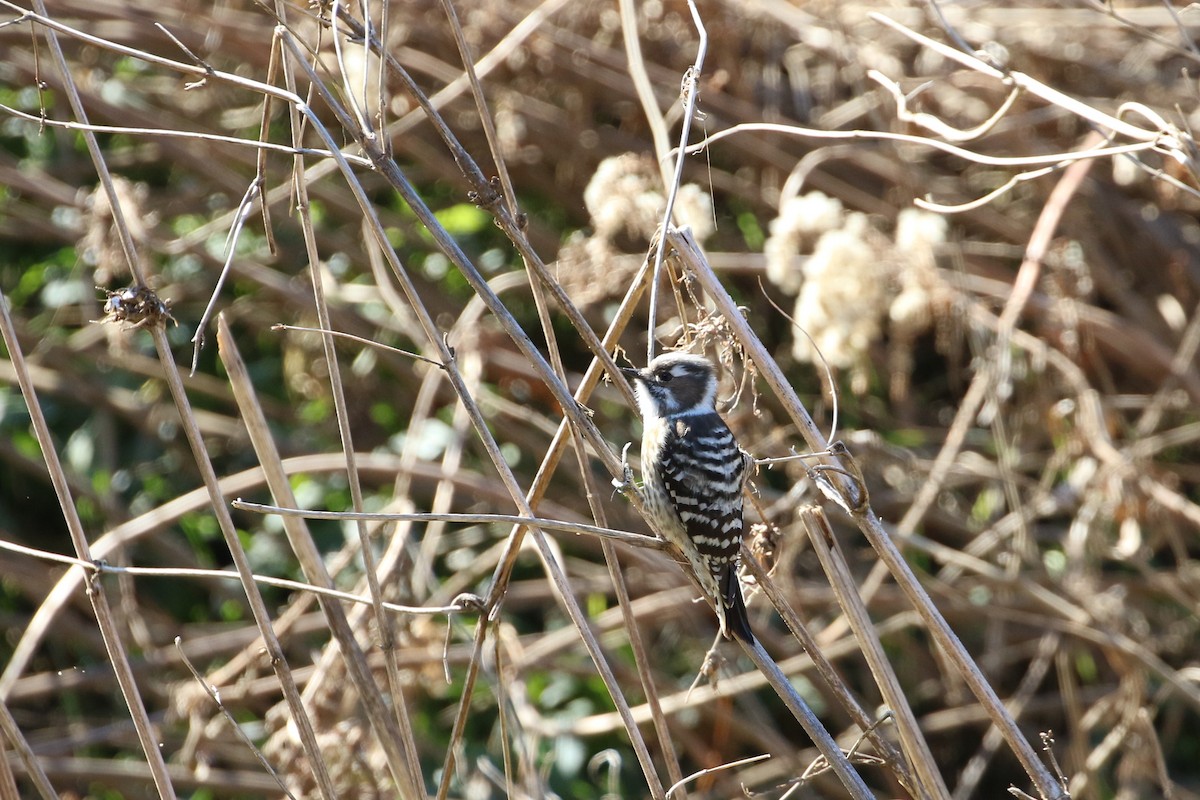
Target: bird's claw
[(625, 482)]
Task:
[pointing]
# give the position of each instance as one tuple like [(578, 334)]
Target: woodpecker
[(693, 473)]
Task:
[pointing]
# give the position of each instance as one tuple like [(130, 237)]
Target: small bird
[(693, 473)]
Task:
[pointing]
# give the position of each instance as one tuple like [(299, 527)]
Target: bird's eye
[(665, 377)]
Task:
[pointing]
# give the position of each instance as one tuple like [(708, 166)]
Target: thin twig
[(659, 135), (800, 710), (349, 92), (239, 220), (33, 768), (279, 326), (823, 663), (481, 108), (1169, 139), (201, 136), (935, 124), (218, 574), (690, 96), (624, 537), (973, 773), (927, 781), (409, 768), (937, 144), (713, 770), (215, 696)]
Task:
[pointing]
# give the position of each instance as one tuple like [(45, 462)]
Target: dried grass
[(1017, 391)]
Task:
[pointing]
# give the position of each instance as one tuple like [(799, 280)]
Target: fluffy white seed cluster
[(800, 223), (918, 233), (843, 296), (624, 199), (625, 195), (854, 277)]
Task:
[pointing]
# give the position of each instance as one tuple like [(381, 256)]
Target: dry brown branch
[(1017, 382)]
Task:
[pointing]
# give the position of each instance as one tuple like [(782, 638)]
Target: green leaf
[(463, 219)]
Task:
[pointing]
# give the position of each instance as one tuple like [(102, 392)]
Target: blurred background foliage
[(1100, 555)]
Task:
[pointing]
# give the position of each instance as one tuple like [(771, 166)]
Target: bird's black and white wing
[(703, 470)]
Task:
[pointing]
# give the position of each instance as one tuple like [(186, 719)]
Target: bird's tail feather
[(737, 621)]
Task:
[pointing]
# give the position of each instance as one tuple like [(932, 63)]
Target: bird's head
[(674, 384)]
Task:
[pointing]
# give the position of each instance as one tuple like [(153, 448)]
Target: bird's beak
[(633, 373)]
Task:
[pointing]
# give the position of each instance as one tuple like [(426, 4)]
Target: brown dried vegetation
[(1017, 383)]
